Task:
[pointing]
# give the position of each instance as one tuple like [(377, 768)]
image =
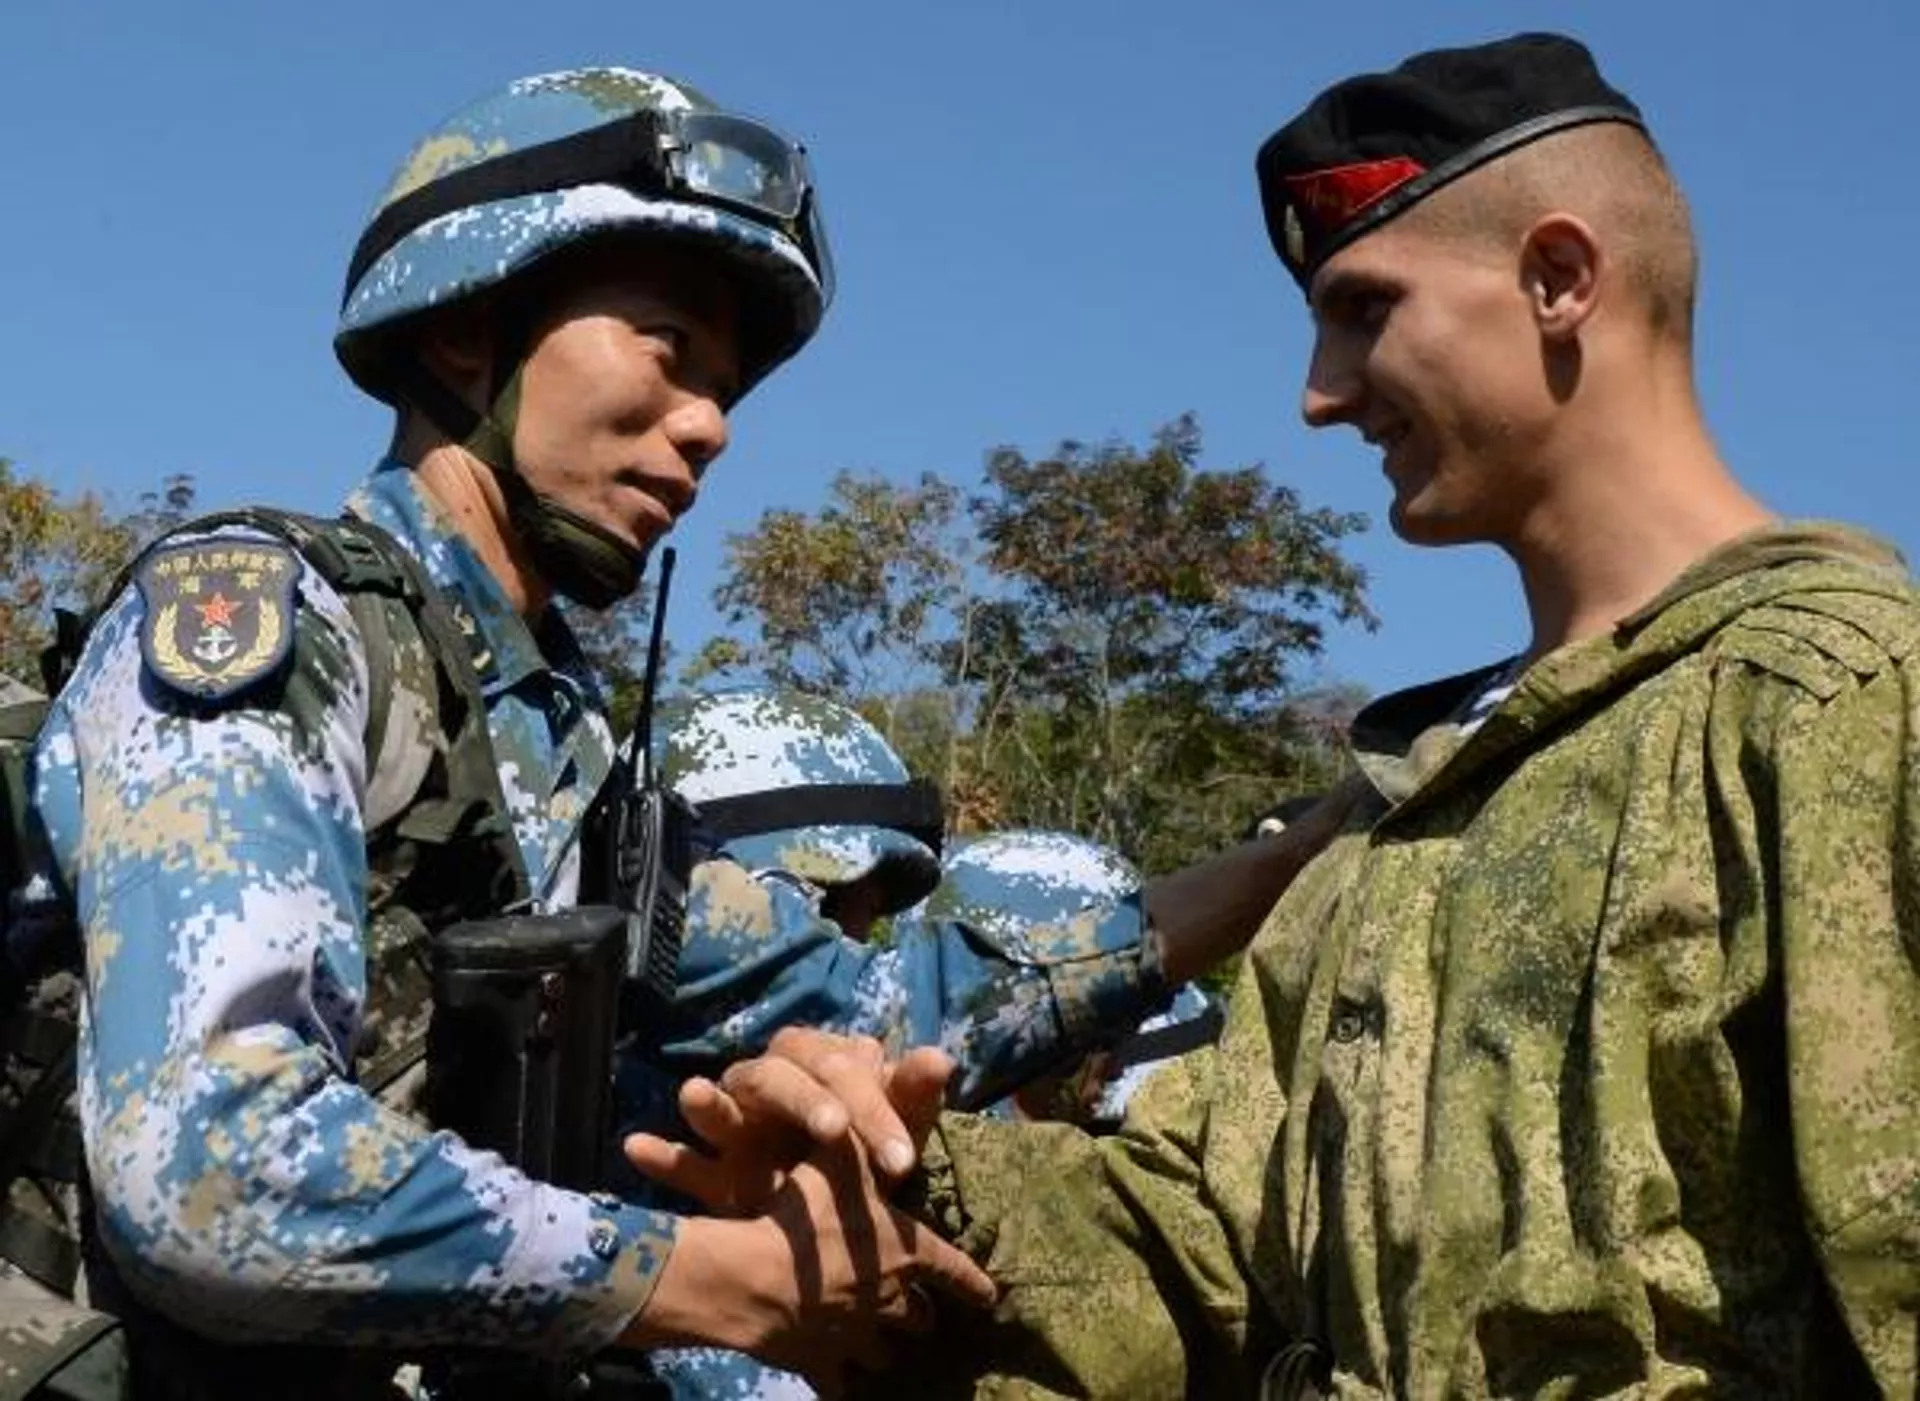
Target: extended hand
[(815, 1282), (811, 1089)]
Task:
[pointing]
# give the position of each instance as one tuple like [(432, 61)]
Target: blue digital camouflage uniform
[(246, 1186), (205, 830), (214, 774), (1033, 944), (1029, 941), (1055, 908), (982, 968)]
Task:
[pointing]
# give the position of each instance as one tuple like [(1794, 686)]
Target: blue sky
[(1044, 219)]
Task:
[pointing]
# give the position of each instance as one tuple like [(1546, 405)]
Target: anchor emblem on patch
[(219, 615)]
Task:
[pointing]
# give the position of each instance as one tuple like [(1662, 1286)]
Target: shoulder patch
[(219, 615)]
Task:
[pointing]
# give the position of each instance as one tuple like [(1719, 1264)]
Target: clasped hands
[(804, 1264)]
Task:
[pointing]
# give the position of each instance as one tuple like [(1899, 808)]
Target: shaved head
[(1610, 176)]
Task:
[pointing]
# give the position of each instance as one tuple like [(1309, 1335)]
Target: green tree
[(851, 601), (1152, 619), (615, 641), (1106, 640), (63, 552)]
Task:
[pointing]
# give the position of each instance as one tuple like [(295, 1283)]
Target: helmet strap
[(580, 558)]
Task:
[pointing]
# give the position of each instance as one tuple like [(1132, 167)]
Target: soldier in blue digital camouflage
[(1032, 945), (292, 749), (1022, 949)]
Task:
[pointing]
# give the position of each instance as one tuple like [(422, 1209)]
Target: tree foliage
[(842, 601), (63, 552), (855, 601), (1107, 640)]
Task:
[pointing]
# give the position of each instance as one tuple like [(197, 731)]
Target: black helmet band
[(698, 157), (912, 808)]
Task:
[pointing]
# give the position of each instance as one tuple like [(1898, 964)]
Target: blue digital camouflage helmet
[(793, 782), (599, 151), (609, 155), (1022, 889)]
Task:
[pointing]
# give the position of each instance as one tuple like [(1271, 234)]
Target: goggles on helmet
[(710, 158)]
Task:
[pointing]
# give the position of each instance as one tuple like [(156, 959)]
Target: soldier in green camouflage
[(1586, 1062)]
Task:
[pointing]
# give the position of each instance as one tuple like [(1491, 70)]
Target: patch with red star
[(219, 615)]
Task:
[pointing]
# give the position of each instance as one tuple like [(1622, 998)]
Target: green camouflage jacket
[(1587, 1064)]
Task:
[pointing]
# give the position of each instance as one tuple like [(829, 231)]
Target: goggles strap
[(911, 808), (626, 152), (579, 557), (615, 150)]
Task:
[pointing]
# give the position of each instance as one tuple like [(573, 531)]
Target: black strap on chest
[(451, 853), (1173, 1039)]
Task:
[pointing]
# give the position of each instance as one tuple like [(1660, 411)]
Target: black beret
[(1373, 146)]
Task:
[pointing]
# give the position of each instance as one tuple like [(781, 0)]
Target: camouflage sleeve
[(1846, 790), (1081, 1231), (1008, 1015), (245, 1185), (758, 957)]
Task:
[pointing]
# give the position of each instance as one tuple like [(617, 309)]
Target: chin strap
[(579, 558)]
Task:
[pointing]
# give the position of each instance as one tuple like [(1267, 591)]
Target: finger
[(914, 1311), (682, 1168), (853, 1070), (867, 1051), (777, 1093), (944, 1267), (916, 1087), (711, 1112), (857, 1073)]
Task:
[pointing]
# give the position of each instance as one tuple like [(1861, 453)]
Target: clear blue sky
[(1044, 218)]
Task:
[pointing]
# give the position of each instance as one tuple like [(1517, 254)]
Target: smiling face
[(1429, 346), (632, 360)]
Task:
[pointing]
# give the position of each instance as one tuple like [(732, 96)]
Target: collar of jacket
[(506, 650), (1411, 750)]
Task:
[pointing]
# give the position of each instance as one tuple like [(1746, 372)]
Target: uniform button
[(604, 1240), (1349, 1021)]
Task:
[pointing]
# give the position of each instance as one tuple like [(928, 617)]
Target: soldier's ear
[(1560, 270)]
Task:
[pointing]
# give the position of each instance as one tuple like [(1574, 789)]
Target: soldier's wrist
[(721, 1287)]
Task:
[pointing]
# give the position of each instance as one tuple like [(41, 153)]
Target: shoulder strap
[(357, 558)]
